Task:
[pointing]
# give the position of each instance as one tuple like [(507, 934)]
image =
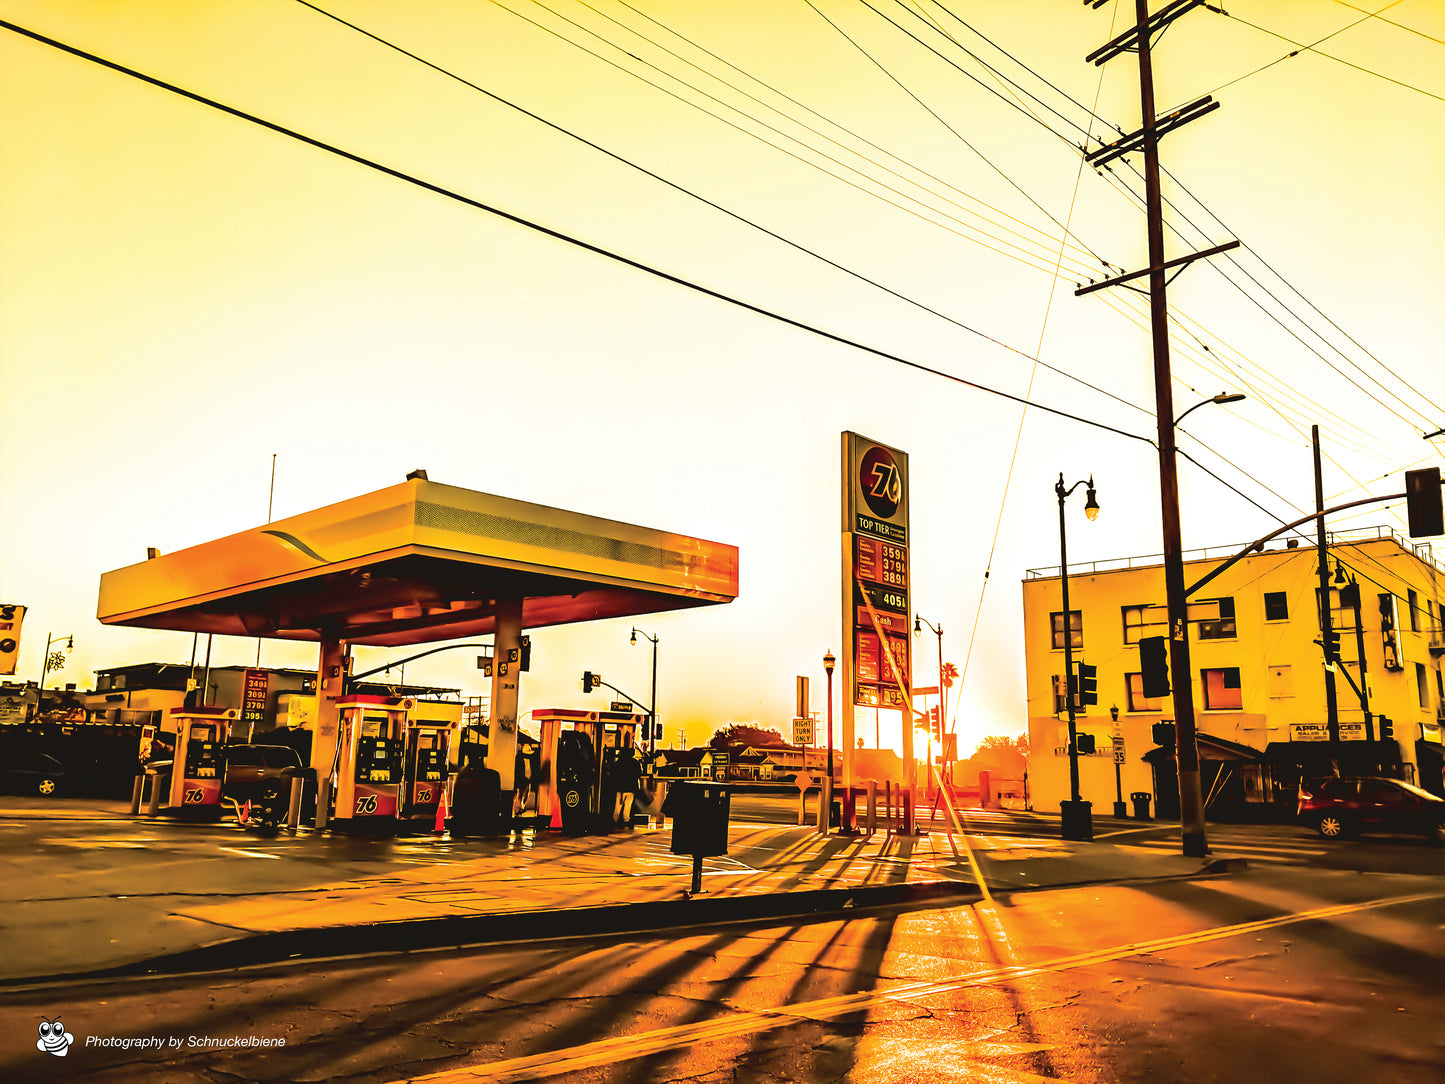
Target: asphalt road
[(1279, 974), (1322, 962)]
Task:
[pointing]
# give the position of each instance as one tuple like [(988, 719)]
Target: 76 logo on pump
[(375, 801)]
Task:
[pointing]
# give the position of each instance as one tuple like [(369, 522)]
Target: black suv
[(1352, 804), (257, 773)]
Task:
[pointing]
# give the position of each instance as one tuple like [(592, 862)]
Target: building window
[(1422, 687), (1276, 606), (1412, 601), (1137, 700), (1221, 689), (1223, 629), (1137, 623), (1076, 629)]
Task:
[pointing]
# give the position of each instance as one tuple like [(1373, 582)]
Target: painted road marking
[(249, 854), (749, 1021)]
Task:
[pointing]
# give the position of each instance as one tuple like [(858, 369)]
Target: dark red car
[(1352, 804)]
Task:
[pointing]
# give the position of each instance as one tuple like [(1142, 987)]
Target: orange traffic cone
[(556, 821), (246, 812), (441, 824)]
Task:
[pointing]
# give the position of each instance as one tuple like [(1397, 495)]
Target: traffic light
[(1088, 684), (1084, 743), (1423, 502), (1387, 728), (1331, 644), (589, 681), (1163, 734), (1154, 666), (935, 725)]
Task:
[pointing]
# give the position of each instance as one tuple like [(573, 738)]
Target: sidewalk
[(530, 886)]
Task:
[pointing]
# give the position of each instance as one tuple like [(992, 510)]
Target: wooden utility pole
[(1328, 637), (1146, 140)]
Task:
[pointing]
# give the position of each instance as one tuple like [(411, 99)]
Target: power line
[(1024, 256), (1302, 48), (547, 231), (716, 206), (1390, 22)]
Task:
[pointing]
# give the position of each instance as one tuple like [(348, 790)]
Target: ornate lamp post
[(652, 702), (937, 630), (1076, 816), (828, 663)]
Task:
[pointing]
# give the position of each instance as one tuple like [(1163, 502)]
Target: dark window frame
[(1056, 629), (1276, 601), (1225, 684)]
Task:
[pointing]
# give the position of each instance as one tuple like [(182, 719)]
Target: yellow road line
[(748, 1021)]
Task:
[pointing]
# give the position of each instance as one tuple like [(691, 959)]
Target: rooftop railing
[(1353, 535)]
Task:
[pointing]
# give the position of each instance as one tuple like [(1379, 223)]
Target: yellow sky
[(183, 294)]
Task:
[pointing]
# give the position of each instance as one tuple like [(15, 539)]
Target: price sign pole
[(877, 649)]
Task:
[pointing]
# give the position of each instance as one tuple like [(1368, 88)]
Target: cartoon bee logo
[(54, 1039)]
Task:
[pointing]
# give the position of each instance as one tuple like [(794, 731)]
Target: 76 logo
[(366, 803)]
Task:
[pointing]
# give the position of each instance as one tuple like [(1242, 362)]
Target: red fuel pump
[(426, 769), (367, 780), (199, 767)]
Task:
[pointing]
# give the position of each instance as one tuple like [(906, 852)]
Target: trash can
[(1140, 799), (476, 802), (699, 813)]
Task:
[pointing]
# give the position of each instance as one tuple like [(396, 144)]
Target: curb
[(466, 931)]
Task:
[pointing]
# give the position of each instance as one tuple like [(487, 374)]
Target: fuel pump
[(370, 755), (426, 769), (199, 767)]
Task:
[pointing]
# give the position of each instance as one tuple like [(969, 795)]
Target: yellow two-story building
[(1260, 679)]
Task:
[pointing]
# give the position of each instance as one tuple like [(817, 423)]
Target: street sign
[(622, 705), (1118, 750), (802, 731)]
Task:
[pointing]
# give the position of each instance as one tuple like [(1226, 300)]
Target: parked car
[(1352, 804), (257, 773), (32, 773)]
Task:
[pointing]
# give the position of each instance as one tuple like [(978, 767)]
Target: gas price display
[(876, 520)]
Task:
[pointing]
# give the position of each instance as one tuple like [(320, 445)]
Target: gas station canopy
[(415, 563)]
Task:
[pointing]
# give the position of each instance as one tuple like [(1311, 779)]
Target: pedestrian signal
[(1163, 734), (1084, 743)]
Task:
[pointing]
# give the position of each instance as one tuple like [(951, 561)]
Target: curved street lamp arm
[(1258, 544)]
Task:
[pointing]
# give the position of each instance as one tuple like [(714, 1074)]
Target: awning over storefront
[(1318, 757), (1210, 748)]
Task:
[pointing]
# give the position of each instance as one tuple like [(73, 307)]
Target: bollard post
[(135, 793), (153, 806), (802, 806), (323, 801), (696, 874), (872, 805), (293, 813)]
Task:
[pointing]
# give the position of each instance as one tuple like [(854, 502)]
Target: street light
[(937, 630), (652, 723), (1194, 840), (45, 666), (828, 663), (1077, 820), (1218, 400), (1119, 808)]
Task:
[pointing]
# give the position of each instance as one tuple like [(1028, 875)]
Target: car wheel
[(1438, 833), (1331, 826), (47, 787)]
